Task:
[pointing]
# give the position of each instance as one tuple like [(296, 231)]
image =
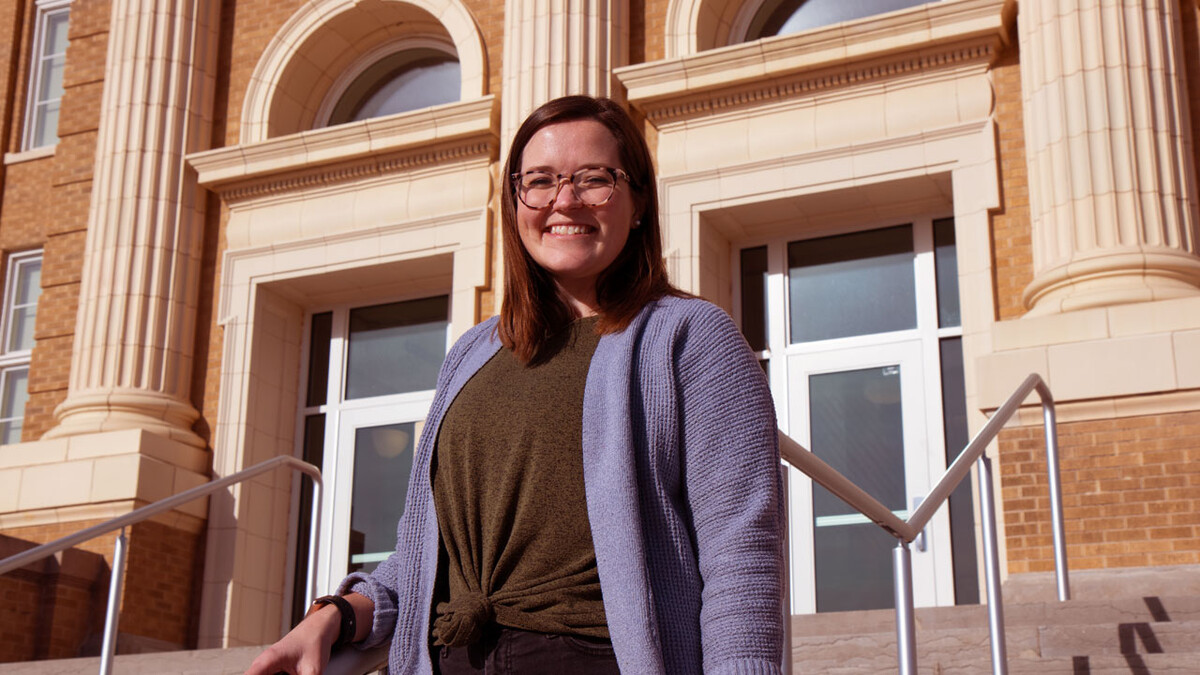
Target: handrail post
[(991, 556), (1050, 428), (906, 633), (109, 648)]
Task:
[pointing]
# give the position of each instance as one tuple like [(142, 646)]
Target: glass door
[(374, 460), (848, 406), (370, 378), (847, 327)]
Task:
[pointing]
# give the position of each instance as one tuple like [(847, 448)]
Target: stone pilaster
[(554, 48), (132, 360), (1112, 185)]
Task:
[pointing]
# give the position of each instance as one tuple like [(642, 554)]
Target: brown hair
[(532, 313)]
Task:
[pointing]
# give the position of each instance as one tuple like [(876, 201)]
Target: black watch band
[(349, 622)]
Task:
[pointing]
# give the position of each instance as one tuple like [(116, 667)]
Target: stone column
[(132, 361), (1112, 184), (554, 48)]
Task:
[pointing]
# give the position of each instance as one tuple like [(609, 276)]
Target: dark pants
[(508, 651)]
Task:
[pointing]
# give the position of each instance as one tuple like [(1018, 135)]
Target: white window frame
[(780, 350), (13, 361), (45, 9), (342, 417)]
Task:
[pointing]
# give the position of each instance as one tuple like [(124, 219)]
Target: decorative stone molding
[(557, 48), (1113, 195), (325, 38), (349, 152), (131, 362), (889, 50), (695, 26)]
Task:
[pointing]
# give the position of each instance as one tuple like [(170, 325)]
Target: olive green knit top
[(508, 491)]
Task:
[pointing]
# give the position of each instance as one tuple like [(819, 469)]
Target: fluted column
[(134, 334), (557, 47), (1112, 184)]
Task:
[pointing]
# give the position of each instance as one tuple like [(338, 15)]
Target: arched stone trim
[(326, 37), (694, 26)]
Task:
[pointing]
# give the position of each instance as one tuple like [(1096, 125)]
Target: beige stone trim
[(326, 38), (74, 474), (1131, 350), (695, 26), (30, 155), (349, 152), (1112, 177), (1113, 408)]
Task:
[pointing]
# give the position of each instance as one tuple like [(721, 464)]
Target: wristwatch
[(349, 622)]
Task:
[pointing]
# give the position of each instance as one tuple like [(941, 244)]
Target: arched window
[(782, 17), (402, 81)]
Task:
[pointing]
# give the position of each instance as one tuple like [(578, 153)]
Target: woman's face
[(570, 240)]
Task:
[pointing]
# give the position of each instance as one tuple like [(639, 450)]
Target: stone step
[(233, 661), (1151, 609), (1122, 639)]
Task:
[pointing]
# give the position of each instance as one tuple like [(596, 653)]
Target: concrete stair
[(1118, 621), (1138, 621)]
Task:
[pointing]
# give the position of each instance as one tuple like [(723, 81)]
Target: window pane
[(404, 81), (852, 284), (962, 509), (27, 278), (318, 359), (52, 78), (14, 393), (45, 129), (853, 567), (23, 319), (29, 282), (419, 86), (313, 453), (946, 262), (783, 17), (397, 347), (754, 297), (382, 462), (857, 429), (56, 33)]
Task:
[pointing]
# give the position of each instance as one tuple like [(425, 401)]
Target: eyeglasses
[(593, 186)]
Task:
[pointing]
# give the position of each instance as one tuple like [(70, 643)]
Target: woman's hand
[(303, 651)]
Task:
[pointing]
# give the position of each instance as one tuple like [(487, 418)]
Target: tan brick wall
[(163, 574), (653, 16), (1011, 243), (1131, 493), (52, 608), (46, 204)]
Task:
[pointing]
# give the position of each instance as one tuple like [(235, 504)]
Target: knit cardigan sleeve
[(733, 489)]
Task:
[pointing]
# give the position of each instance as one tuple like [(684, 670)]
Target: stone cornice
[(937, 36), (350, 152)]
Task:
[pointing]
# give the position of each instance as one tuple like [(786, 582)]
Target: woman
[(597, 486)]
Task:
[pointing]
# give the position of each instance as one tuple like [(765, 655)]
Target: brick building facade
[(209, 238)]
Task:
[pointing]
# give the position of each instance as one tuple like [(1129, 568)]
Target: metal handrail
[(907, 531), (138, 515)]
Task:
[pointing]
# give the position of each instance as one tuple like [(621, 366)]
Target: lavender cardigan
[(681, 477)]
